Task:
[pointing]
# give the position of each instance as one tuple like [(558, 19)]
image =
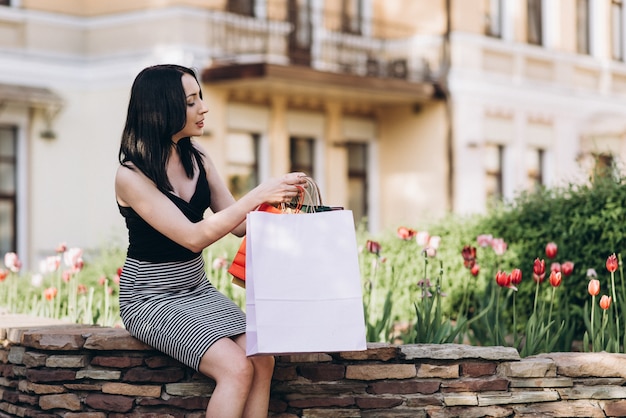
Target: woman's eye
[(191, 104)]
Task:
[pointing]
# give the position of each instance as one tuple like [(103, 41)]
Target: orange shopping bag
[(238, 267)]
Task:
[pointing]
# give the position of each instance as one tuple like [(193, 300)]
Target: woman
[(164, 184)]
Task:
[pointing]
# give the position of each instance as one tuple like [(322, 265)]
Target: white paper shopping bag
[(303, 285)]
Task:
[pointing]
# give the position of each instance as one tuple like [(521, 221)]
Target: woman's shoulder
[(128, 173)]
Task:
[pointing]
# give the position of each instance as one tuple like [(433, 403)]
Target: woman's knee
[(241, 370), (263, 365)]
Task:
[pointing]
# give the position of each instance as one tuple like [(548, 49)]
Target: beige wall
[(412, 158)]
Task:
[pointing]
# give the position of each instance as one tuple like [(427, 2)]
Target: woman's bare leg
[(227, 364), (259, 397)]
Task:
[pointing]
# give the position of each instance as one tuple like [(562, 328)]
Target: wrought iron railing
[(310, 40)]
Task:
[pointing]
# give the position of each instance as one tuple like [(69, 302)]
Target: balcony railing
[(235, 38)]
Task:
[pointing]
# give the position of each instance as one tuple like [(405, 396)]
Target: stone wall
[(75, 371)]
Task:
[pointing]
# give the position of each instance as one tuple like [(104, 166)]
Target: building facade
[(402, 110)]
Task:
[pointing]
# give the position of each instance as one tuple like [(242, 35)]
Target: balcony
[(314, 41)]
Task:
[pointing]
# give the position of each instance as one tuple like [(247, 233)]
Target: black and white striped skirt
[(174, 308)]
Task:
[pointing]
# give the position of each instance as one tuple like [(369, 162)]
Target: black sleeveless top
[(147, 244)]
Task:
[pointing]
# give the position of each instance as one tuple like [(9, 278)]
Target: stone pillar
[(278, 137), (335, 188)]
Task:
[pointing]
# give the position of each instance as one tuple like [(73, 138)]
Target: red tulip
[(605, 302), (516, 277), (50, 293), (611, 263), (475, 270), (503, 279), (567, 268), (405, 233), (373, 247), (555, 278), (539, 267), (81, 289), (469, 256), (551, 250), (3, 274), (594, 287)]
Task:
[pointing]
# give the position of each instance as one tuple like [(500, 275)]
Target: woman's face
[(194, 126)]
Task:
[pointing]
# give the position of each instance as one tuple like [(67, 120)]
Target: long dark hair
[(157, 110)]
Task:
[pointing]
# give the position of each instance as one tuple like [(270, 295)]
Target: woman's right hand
[(282, 189)]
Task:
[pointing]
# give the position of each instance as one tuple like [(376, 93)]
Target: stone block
[(322, 372), (477, 369), (97, 374), (564, 409), (305, 358), (404, 387), (65, 338), (85, 415), (140, 374), (68, 401), (441, 371), (186, 402), (16, 355), (533, 396), (547, 382), (153, 391), (380, 371), (33, 359), (378, 402), (110, 403), (190, 389), (614, 408), (331, 413), (419, 401), (285, 373), (67, 361), (528, 367), (325, 402), (117, 362), (113, 339), (457, 352), (594, 392), (50, 375), (491, 384), (39, 389), (460, 399), (589, 364), (375, 351)]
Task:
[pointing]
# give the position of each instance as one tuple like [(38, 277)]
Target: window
[(242, 172), (534, 168), (357, 180), (534, 23), (301, 35), (301, 154), (242, 7), (8, 190), (493, 18), (604, 166), (582, 27), (494, 155), (617, 30), (351, 16)]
